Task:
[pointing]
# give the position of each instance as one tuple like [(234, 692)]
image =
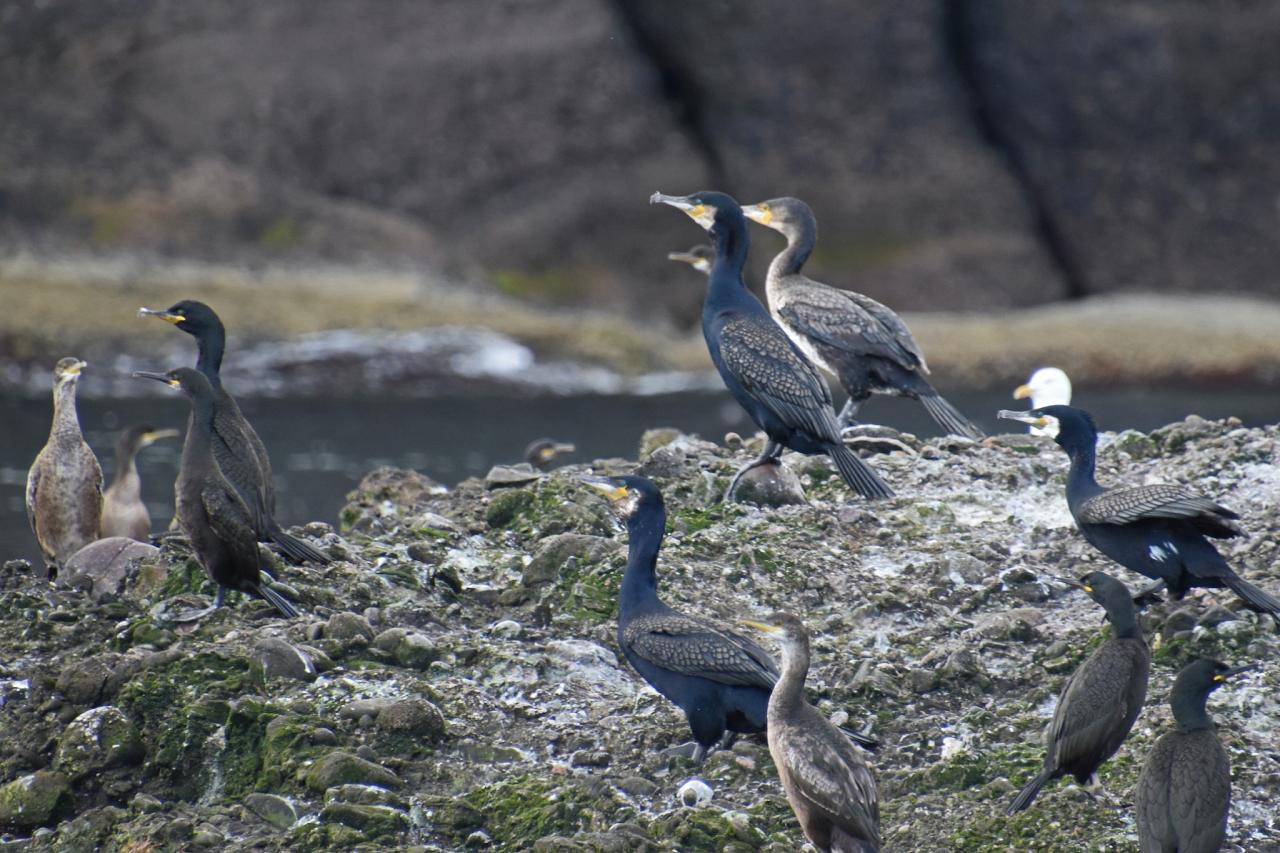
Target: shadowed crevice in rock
[(958, 38), (679, 88)]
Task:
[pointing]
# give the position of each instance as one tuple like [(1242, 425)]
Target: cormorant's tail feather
[(855, 472), (295, 549), (949, 418), (278, 601), (1254, 597), (867, 742), (1028, 794), (843, 841)]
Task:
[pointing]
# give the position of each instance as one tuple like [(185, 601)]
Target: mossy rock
[(372, 821), (41, 799), (98, 739), (515, 813), (505, 506)]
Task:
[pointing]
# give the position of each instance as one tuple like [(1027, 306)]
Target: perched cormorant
[(1102, 698), (64, 485), (1184, 792), (209, 509), (1048, 386), (699, 257), (541, 453), (240, 453), (830, 788), (123, 512), (856, 339), (764, 371), (1156, 530)]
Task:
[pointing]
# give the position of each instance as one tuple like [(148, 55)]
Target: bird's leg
[(699, 754), (727, 741), (219, 598), (686, 750), (772, 450), (848, 414)]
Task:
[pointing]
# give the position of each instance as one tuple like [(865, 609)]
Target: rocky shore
[(455, 683)]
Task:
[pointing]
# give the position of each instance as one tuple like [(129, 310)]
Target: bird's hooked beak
[(698, 262), (1236, 670), (163, 315), (1072, 583), (554, 450), (159, 377), (72, 371), (149, 438), (761, 213), (698, 212), (614, 491), (1025, 417), (1022, 392), (762, 627)]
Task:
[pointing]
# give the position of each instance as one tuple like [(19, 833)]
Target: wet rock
[(347, 626), (365, 795), (652, 439), (637, 786), (408, 648), (97, 739), (1217, 615), (1017, 624), (275, 810), (770, 485), (506, 505), (1182, 619), (276, 658), (374, 821), (104, 566), (415, 718), (554, 551), (867, 439), (508, 628), (339, 768), (693, 792), (41, 799), (503, 476)]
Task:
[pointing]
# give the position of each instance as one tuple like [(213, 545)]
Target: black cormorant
[(830, 788), (1102, 698), (856, 339), (1184, 792), (1048, 386), (1156, 530), (764, 371), (700, 257), (209, 509), (64, 485), (123, 512), (541, 453), (240, 453)]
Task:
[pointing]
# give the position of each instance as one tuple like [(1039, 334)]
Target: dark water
[(320, 448)]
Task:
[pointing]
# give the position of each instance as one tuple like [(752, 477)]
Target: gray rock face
[(340, 768), (104, 566), (278, 658), (770, 485), (97, 739), (40, 799), (276, 811)]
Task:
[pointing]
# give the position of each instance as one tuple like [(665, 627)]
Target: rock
[(338, 768), (96, 740), (347, 626), (365, 795), (637, 786), (408, 648), (555, 551), (508, 628), (693, 792), (276, 658), (371, 820), (275, 810), (503, 476), (41, 799), (414, 717), (506, 505), (652, 439), (1182, 619), (106, 565), (1017, 624), (1216, 615), (770, 485), (867, 439)]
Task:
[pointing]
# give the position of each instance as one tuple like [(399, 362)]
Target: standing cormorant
[(764, 371), (1048, 386), (856, 339), (240, 453), (209, 509), (1184, 792), (830, 788), (1156, 530), (64, 485), (1102, 698), (541, 453), (700, 257), (123, 512)]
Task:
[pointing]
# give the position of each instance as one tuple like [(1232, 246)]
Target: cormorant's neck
[(210, 345), (788, 693), (1123, 617), (65, 419), (729, 237), (801, 237), (640, 582), (1189, 710), (1080, 479), (200, 429), (126, 467)]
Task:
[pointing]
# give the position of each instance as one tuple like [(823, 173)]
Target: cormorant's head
[(1048, 386), (785, 214), (194, 318), (1102, 588), (789, 630), (143, 435), (541, 453), (714, 211), (700, 257), (1205, 675), (1075, 427), (186, 379), (67, 371), (628, 495)]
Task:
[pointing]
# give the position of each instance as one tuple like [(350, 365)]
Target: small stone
[(922, 680), (502, 476), (416, 717), (770, 485), (206, 838), (145, 803), (41, 799), (555, 551), (275, 810), (652, 439), (338, 768), (637, 786), (346, 626), (1216, 615), (693, 792), (365, 795), (508, 628), (276, 658), (1182, 619), (478, 839), (590, 758), (98, 739), (371, 820)]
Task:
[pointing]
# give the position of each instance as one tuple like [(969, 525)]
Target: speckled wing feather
[(1125, 506), (238, 463), (230, 520), (1184, 793), (848, 321), (826, 771), (761, 356), (1093, 705), (693, 647)]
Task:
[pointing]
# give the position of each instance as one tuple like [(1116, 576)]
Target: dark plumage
[(543, 452), (1184, 793), (1102, 698), (764, 371), (1158, 530), (240, 454), (123, 512), (64, 485), (209, 509), (856, 339), (830, 788)]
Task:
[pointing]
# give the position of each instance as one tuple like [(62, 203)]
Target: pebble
[(694, 792)]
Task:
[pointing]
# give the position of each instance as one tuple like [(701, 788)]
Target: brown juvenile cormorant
[(64, 485), (764, 371), (700, 257), (240, 453), (123, 512), (1156, 530), (1102, 698), (541, 453), (856, 339), (1184, 792), (830, 788), (209, 509)]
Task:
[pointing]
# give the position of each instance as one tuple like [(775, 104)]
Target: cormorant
[(861, 342), (1156, 530), (699, 257), (764, 371), (64, 485), (830, 788), (240, 453), (209, 509), (123, 512), (1102, 698), (541, 453), (1048, 386), (1184, 792)]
